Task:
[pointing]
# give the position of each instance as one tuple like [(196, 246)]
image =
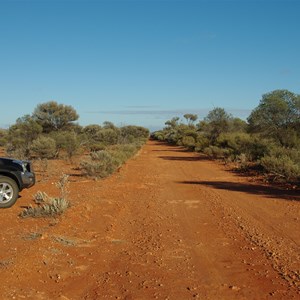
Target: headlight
[(23, 164)]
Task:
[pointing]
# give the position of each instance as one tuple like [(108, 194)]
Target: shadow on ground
[(182, 158), (173, 150), (256, 189)]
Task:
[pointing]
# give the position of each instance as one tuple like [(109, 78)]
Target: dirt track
[(169, 225)]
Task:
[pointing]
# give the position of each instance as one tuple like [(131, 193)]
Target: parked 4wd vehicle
[(15, 175)]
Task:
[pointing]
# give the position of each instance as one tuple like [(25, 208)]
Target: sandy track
[(169, 225)]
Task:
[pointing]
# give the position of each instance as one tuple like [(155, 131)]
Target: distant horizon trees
[(268, 139), (52, 129)]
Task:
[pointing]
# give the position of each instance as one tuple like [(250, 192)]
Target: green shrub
[(107, 136), (173, 137), (130, 133), (216, 152), (67, 141), (21, 135), (124, 151), (258, 148), (240, 143), (101, 164), (158, 135), (188, 141), (202, 142), (282, 167), (91, 130), (94, 147), (44, 147), (283, 163)]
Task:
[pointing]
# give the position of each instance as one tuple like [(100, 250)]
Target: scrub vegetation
[(51, 132), (268, 141), (47, 206)]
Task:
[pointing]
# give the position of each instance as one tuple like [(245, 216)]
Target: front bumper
[(28, 179)]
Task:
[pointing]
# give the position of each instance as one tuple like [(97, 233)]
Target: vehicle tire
[(9, 192)]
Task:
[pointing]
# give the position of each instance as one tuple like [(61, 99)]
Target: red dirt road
[(169, 225)]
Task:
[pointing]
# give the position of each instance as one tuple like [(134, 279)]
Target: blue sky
[(142, 62)]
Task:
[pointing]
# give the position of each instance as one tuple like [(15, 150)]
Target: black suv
[(15, 175)]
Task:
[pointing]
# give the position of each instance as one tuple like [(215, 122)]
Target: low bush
[(158, 135), (53, 207), (49, 206), (188, 142), (44, 147), (202, 142), (125, 150), (104, 162), (131, 133), (18, 152), (240, 143), (283, 164), (108, 136), (66, 141), (41, 198), (94, 147), (100, 165), (216, 152)]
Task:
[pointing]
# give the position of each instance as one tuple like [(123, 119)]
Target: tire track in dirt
[(193, 268), (278, 245), (283, 252)]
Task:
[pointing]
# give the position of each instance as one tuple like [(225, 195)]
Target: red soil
[(169, 224)]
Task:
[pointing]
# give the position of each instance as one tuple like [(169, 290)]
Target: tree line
[(269, 140), (51, 132)]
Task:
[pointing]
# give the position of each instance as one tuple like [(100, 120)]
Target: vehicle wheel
[(9, 192)]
